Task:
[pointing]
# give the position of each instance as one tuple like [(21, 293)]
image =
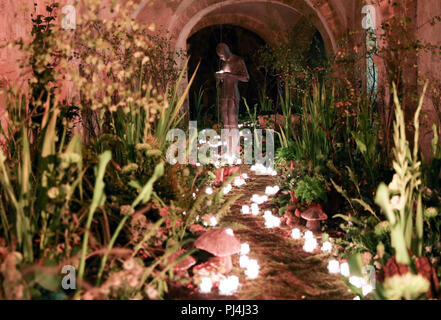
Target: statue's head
[(223, 51)]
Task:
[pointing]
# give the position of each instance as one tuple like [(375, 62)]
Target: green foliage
[(198, 105), (266, 103), (397, 200), (39, 193), (319, 128), (310, 189), (65, 202), (291, 60), (365, 135)]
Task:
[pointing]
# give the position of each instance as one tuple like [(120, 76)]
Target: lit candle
[(326, 246), (213, 221), (252, 271), (254, 209), (229, 285), (333, 266), (310, 245), (308, 235), (244, 248), (205, 285), (366, 289), (344, 269), (245, 209), (295, 234), (227, 189), (243, 261), (357, 282)]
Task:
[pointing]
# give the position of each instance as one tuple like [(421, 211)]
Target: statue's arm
[(245, 77), (241, 72)]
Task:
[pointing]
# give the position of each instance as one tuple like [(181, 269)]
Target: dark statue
[(233, 70)]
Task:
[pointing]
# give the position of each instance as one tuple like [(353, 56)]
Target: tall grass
[(317, 134), (37, 183), (398, 199)]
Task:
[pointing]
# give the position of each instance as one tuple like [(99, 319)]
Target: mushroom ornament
[(220, 242), (182, 266), (313, 216)]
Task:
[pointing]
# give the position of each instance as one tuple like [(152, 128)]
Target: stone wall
[(429, 68)]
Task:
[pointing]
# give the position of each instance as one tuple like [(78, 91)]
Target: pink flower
[(164, 212)]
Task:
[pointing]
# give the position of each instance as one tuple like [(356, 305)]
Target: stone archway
[(326, 17), (247, 22), (269, 19)]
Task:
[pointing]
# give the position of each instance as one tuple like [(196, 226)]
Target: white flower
[(397, 202)]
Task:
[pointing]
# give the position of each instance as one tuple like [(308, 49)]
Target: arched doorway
[(201, 47)]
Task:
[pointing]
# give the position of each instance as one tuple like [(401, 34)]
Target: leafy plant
[(398, 199), (310, 189), (319, 129), (198, 105)]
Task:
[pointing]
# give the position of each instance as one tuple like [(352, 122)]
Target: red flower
[(164, 212), (197, 228), (178, 222), (392, 268), (424, 268)]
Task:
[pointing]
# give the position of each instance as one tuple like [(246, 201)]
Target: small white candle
[(252, 271), (244, 248), (326, 246), (205, 285), (245, 209), (333, 266), (243, 261), (344, 269), (310, 245), (295, 233)]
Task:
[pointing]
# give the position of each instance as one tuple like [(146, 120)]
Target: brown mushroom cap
[(185, 263), (218, 242), (313, 214)]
